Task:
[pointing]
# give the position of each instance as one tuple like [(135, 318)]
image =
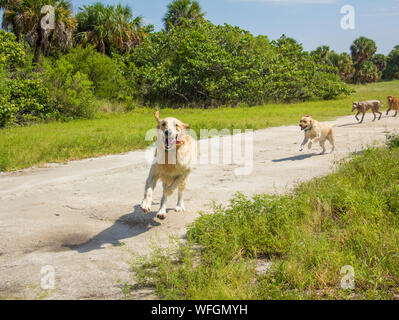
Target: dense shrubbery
[(21, 100), (208, 65), (12, 54), (71, 91), (29, 100), (105, 73), (57, 92)]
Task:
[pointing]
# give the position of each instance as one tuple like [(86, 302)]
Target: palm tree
[(106, 27), (10, 17), (25, 17), (362, 50), (392, 70), (180, 11), (346, 67), (324, 54), (367, 73), (380, 61)]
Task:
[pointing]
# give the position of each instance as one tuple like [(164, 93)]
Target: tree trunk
[(16, 29), (47, 50), (38, 47), (18, 35)]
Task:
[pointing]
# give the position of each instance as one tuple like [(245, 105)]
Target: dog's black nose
[(168, 132)]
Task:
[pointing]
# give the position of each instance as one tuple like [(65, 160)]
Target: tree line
[(362, 65), (105, 52)]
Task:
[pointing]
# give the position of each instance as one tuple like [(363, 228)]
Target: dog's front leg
[(305, 141), (162, 210), (180, 203), (149, 188)]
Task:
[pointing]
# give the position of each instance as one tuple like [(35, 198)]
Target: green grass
[(350, 217), (38, 144)]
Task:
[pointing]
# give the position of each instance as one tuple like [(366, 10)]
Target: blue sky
[(311, 22)]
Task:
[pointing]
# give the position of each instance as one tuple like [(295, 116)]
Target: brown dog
[(364, 106), (176, 152), (393, 104), (316, 132)]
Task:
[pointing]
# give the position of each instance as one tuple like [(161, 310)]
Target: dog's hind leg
[(331, 139), (323, 145)]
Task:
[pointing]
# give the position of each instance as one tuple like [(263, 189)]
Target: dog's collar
[(306, 130)]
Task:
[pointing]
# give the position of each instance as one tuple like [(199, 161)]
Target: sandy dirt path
[(83, 218)]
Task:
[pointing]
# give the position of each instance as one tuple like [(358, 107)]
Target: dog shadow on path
[(127, 226), (297, 158), (350, 124)]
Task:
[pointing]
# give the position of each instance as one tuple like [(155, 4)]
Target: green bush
[(31, 97), (208, 65), (12, 54), (104, 72), (22, 100), (71, 92)]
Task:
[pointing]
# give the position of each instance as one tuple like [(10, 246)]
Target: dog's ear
[(185, 126), (157, 117)]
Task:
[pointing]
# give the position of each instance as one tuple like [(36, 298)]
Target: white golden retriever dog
[(176, 152), (316, 132)]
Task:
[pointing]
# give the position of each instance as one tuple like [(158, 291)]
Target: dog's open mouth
[(170, 143)]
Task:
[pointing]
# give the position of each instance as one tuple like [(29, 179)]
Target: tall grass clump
[(348, 218)]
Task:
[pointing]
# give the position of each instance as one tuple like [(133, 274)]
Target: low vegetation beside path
[(316, 237)]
